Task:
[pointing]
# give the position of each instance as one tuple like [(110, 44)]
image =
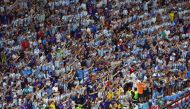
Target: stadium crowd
[(92, 54)]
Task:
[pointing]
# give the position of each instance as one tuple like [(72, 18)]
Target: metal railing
[(179, 102)]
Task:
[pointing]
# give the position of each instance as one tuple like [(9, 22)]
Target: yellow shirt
[(119, 106), (110, 95), (119, 91), (171, 16), (52, 106)]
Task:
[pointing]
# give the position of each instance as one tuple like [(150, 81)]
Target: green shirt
[(79, 107), (136, 96), (163, 35)]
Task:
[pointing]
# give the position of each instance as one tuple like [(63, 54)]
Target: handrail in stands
[(173, 102)]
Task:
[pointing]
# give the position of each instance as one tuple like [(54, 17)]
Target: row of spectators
[(87, 54)]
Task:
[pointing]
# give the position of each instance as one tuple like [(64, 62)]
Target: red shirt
[(40, 34), (106, 24), (132, 70), (24, 44), (108, 83)]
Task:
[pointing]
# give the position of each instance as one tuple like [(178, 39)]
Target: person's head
[(129, 88), (135, 89)]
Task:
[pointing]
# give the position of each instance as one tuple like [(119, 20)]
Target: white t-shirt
[(36, 51)]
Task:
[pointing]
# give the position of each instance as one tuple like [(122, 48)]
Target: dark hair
[(135, 89)]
